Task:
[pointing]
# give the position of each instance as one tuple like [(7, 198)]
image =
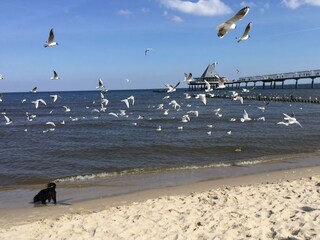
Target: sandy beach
[(274, 205)]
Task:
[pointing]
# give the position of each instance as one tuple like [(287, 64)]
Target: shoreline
[(70, 193), (21, 216)]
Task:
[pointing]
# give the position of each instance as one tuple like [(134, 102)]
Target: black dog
[(46, 194)]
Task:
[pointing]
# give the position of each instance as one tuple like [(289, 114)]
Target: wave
[(139, 171)]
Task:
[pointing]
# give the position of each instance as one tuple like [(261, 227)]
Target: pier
[(270, 80)]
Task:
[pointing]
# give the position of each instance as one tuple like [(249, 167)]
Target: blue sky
[(107, 38)]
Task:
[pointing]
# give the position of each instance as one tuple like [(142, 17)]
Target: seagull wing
[(176, 85), (246, 31), (239, 15), (42, 101), (126, 101), (207, 86), (51, 36), (8, 120), (55, 75)]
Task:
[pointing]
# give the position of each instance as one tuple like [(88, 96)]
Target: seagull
[(196, 113), (158, 129), (100, 84), (1, 78), (245, 35), (221, 84), (51, 42), (223, 28), (187, 95), (30, 117), (187, 77), (147, 50), (66, 109), (202, 97), (175, 104), (51, 123), (238, 98), (8, 120), (34, 90), (132, 99), (55, 76), (1, 96), (180, 128), (172, 88), (291, 120), (208, 86), (36, 102), (113, 114), (166, 112), (245, 116), (185, 118), (165, 97), (23, 100), (126, 101), (54, 97)]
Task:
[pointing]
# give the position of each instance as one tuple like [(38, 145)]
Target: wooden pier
[(270, 80)]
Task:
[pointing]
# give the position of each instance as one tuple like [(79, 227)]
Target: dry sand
[(275, 205)]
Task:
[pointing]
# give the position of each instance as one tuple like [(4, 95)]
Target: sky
[(107, 39)]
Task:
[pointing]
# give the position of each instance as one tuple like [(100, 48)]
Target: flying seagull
[(36, 102), (172, 88), (8, 120), (245, 116), (187, 77), (1, 77), (245, 35), (55, 76), (54, 97), (34, 90), (223, 28), (100, 84), (147, 50), (50, 42)]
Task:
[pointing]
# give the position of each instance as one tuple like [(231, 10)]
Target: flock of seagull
[(130, 101)]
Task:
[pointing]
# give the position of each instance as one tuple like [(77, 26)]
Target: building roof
[(210, 71)]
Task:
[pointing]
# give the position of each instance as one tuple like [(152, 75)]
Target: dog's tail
[(51, 185)]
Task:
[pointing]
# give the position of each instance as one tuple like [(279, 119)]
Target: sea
[(121, 149)]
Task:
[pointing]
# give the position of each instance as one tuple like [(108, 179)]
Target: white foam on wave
[(137, 171)]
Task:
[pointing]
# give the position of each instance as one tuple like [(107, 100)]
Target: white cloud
[(124, 12), (293, 4), (200, 7), (172, 17)]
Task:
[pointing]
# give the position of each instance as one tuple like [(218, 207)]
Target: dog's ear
[(51, 185)]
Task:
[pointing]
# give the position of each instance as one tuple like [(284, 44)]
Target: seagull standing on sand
[(51, 42), (55, 76), (245, 35), (223, 28)]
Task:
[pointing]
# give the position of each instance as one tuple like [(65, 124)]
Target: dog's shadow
[(63, 202)]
